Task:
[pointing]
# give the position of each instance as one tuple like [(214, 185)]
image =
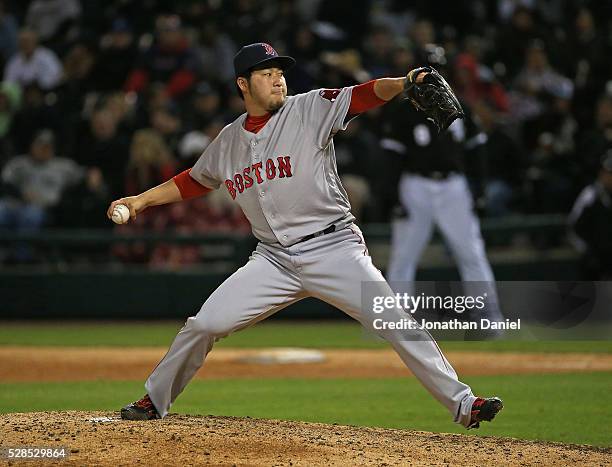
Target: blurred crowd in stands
[(103, 98)]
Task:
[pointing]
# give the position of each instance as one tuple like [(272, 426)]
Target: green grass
[(566, 408), (335, 334)]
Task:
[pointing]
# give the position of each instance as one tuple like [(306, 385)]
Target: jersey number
[(422, 136)]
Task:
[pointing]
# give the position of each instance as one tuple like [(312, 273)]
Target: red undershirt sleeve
[(364, 98), (188, 187)]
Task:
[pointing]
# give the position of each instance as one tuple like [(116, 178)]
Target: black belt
[(330, 229)]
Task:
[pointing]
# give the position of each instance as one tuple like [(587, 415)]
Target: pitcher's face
[(268, 88)]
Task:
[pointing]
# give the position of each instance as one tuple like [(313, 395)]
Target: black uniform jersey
[(408, 133)]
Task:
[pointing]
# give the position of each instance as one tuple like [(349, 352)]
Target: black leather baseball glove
[(433, 96)]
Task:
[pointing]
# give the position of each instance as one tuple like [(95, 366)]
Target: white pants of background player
[(447, 204), (332, 268)]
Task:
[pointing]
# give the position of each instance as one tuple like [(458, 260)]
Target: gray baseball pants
[(448, 205), (332, 268)]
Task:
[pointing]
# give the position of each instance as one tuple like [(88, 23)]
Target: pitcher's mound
[(283, 355), (102, 438)]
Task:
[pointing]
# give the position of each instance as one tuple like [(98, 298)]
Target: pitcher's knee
[(208, 324)]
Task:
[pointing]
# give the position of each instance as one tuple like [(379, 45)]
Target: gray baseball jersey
[(285, 180), (284, 177)]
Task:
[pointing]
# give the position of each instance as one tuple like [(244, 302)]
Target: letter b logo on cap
[(269, 49)]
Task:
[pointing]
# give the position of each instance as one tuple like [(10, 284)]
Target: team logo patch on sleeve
[(329, 94)]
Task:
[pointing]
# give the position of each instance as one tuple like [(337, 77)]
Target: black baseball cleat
[(484, 410), (140, 410)]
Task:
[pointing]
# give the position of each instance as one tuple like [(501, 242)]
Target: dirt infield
[(112, 363), (101, 438), (188, 440)]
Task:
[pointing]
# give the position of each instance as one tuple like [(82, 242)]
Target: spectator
[(78, 64), (342, 67), (36, 114), (55, 21), (402, 59), (595, 141), (422, 33), (591, 222), (166, 121), (379, 46), (302, 45), (286, 16), (349, 16), (549, 135), (122, 106), (79, 208), (476, 84), (115, 58), (81, 204), (102, 147), (549, 183), (10, 101), (215, 52), (77, 81), (205, 106), (531, 102), (247, 19), (537, 76), (33, 63), (33, 186), (170, 60), (215, 212), (536, 83), (345, 65), (505, 164), (234, 108), (191, 147), (8, 34), (514, 38), (193, 143), (585, 58), (356, 151), (150, 163), (556, 119)]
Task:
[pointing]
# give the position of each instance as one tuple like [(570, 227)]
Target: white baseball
[(121, 214)]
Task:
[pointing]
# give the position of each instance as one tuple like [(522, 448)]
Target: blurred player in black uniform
[(434, 191), (591, 221)]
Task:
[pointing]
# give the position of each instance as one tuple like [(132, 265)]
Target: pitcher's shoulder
[(302, 97)]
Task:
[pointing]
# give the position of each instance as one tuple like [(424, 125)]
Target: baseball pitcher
[(277, 162)]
